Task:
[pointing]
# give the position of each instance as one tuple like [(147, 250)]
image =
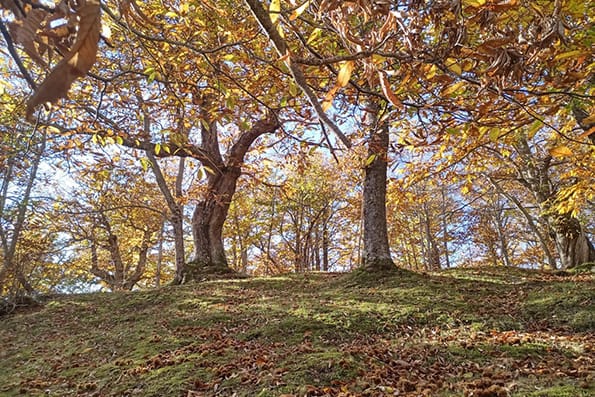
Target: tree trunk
[(210, 213), (540, 236), (9, 245), (159, 263), (572, 244), (376, 251), (445, 229), (207, 225)]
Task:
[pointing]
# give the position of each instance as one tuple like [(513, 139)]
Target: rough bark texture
[(376, 252), (211, 212)]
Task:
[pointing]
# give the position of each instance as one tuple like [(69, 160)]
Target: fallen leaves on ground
[(312, 335)]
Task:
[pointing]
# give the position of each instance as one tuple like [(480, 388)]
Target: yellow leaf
[(345, 73), (453, 88), (571, 54), (453, 66), (274, 10), (157, 148), (561, 151), (370, 160), (299, 11), (432, 72), (475, 3), (316, 33)]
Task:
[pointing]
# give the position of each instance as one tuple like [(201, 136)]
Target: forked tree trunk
[(211, 212), (376, 251)]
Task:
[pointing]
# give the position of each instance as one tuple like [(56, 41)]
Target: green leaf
[(494, 134), (370, 160)]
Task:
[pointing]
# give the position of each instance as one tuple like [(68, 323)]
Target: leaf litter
[(312, 335)]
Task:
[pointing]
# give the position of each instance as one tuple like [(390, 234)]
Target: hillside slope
[(465, 332)]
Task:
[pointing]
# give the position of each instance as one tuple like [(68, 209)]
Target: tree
[(113, 225), (22, 154)]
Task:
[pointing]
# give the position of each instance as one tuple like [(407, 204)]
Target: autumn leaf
[(388, 93), (345, 73), (328, 99), (561, 151), (275, 10), (25, 33), (76, 63), (299, 11)]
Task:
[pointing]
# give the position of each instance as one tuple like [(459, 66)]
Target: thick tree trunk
[(211, 212), (376, 251), (572, 244), (207, 226)]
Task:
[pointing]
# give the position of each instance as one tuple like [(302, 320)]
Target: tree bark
[(211, 212), (572, 244), (376, 251), (10, 245)]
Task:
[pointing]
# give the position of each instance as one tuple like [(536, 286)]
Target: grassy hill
[(458, 333)]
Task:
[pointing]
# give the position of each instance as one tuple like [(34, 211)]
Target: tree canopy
[(294, 135)]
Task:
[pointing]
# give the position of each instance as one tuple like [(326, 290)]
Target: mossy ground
[(466, 332)]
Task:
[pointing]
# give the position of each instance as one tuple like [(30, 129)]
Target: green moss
[(283, 335), (562, 390)]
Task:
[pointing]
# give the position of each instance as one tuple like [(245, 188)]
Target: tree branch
[(280, 45)]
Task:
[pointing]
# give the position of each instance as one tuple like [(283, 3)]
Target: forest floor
[(467, 332)]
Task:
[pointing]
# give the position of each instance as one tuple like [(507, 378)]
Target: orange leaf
[(561, 151), (388, 93), (328, 99)]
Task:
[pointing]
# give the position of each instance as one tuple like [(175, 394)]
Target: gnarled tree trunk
[(211, 212)]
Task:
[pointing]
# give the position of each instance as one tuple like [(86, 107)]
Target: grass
[(465, 332)]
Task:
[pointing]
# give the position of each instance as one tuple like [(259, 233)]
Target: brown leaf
[(25, 33), (76, 63)]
